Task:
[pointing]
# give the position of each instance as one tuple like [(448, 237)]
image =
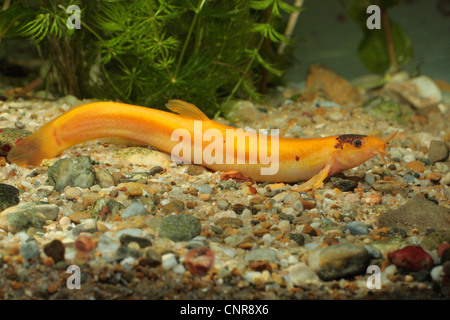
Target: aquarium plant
[(145, 52)]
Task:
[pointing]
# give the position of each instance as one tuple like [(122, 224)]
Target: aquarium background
[(325, 34)]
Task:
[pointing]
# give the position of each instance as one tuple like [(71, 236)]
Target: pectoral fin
[(315, 181)]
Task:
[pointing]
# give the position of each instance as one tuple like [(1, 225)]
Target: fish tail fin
[(34, 148)]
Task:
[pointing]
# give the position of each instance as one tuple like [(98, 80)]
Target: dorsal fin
[(186, 110)]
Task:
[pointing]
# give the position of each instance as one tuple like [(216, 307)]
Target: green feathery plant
[(148, 51)]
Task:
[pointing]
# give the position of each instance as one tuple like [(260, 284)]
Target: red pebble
[(413, 258), (444, 246), (84, 244), (198, 261)]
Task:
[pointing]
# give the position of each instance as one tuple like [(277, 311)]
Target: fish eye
[(357, 143)]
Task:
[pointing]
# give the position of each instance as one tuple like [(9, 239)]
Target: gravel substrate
[(141, 227)]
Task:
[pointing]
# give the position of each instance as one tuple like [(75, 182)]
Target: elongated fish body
[(197, 139)]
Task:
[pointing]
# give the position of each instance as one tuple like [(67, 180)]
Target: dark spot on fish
[(297, 158), (353, 139)]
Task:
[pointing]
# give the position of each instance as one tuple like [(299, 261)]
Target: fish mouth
[(381, 149)]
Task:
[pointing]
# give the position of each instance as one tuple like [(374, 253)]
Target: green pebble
[(180, 227)]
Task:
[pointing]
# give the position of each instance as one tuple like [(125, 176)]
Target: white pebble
[(267, 238), (390, 270), (127, 263), (95, 188), (283, 262), (179, 269), (284, 226), (64, 222), (252, 276), (26, 185), (292, 260), (169, 261), (302, 275), (231, 252), (298, 205), (409, 157), (315, 225), (225, 214), (311, 246), (437, 273), (266, 277)]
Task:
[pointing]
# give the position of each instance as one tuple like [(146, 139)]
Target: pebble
[(412, 258), (126, 239), (172, 206), (409, 157), (344, 184), (55, 250), (204, 188), (155, 170), (84, 244), (284, 226), (134, 209), (77, 217), (338, 261), (107, 246), (197, 242), (104, 207), (438, 151), (127, 263), (263, 254), (446, 268), (223, 205), (88, 225), (44, 191), (180, 227), (27, 216), (243, 111), (168, 261), (268, 239), (153, 258), (301, 275), (199, 261), (29, 249), (179, 269), (64, 222), (252, 276), (420, 91), (105, 179), (194, 170), (437, 273), (417, 213), (445, 180), (298, 206), (204, 196), (72, 193), (74, 172), (298, 238), (9, 196), (356, 228)]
